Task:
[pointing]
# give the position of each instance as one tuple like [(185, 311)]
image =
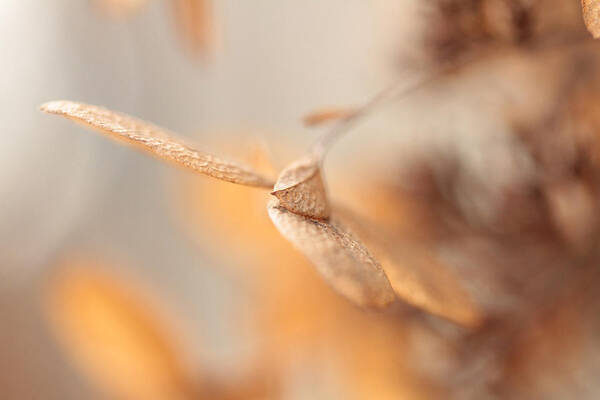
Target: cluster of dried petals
[(301, 210)]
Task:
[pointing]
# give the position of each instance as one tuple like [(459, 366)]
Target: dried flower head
[(496, 253), (302, 211)]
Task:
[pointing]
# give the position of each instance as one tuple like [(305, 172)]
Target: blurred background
[(123, 277)]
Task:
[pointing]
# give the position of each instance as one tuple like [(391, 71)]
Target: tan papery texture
[(156, 141), (416, 276), (591, 16), (300, 189), (342, 260)]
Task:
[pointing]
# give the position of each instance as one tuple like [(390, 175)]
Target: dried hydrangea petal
[(340, 258), (591, 16), (416, 276), (300, 189), (156, 141)]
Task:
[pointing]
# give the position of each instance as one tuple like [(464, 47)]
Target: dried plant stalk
[(325, 115), (591, 16), (157, 141), (300, 186), (342, 260)]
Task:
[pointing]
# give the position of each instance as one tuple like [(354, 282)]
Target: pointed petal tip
[(54, 107), (46, 107)]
